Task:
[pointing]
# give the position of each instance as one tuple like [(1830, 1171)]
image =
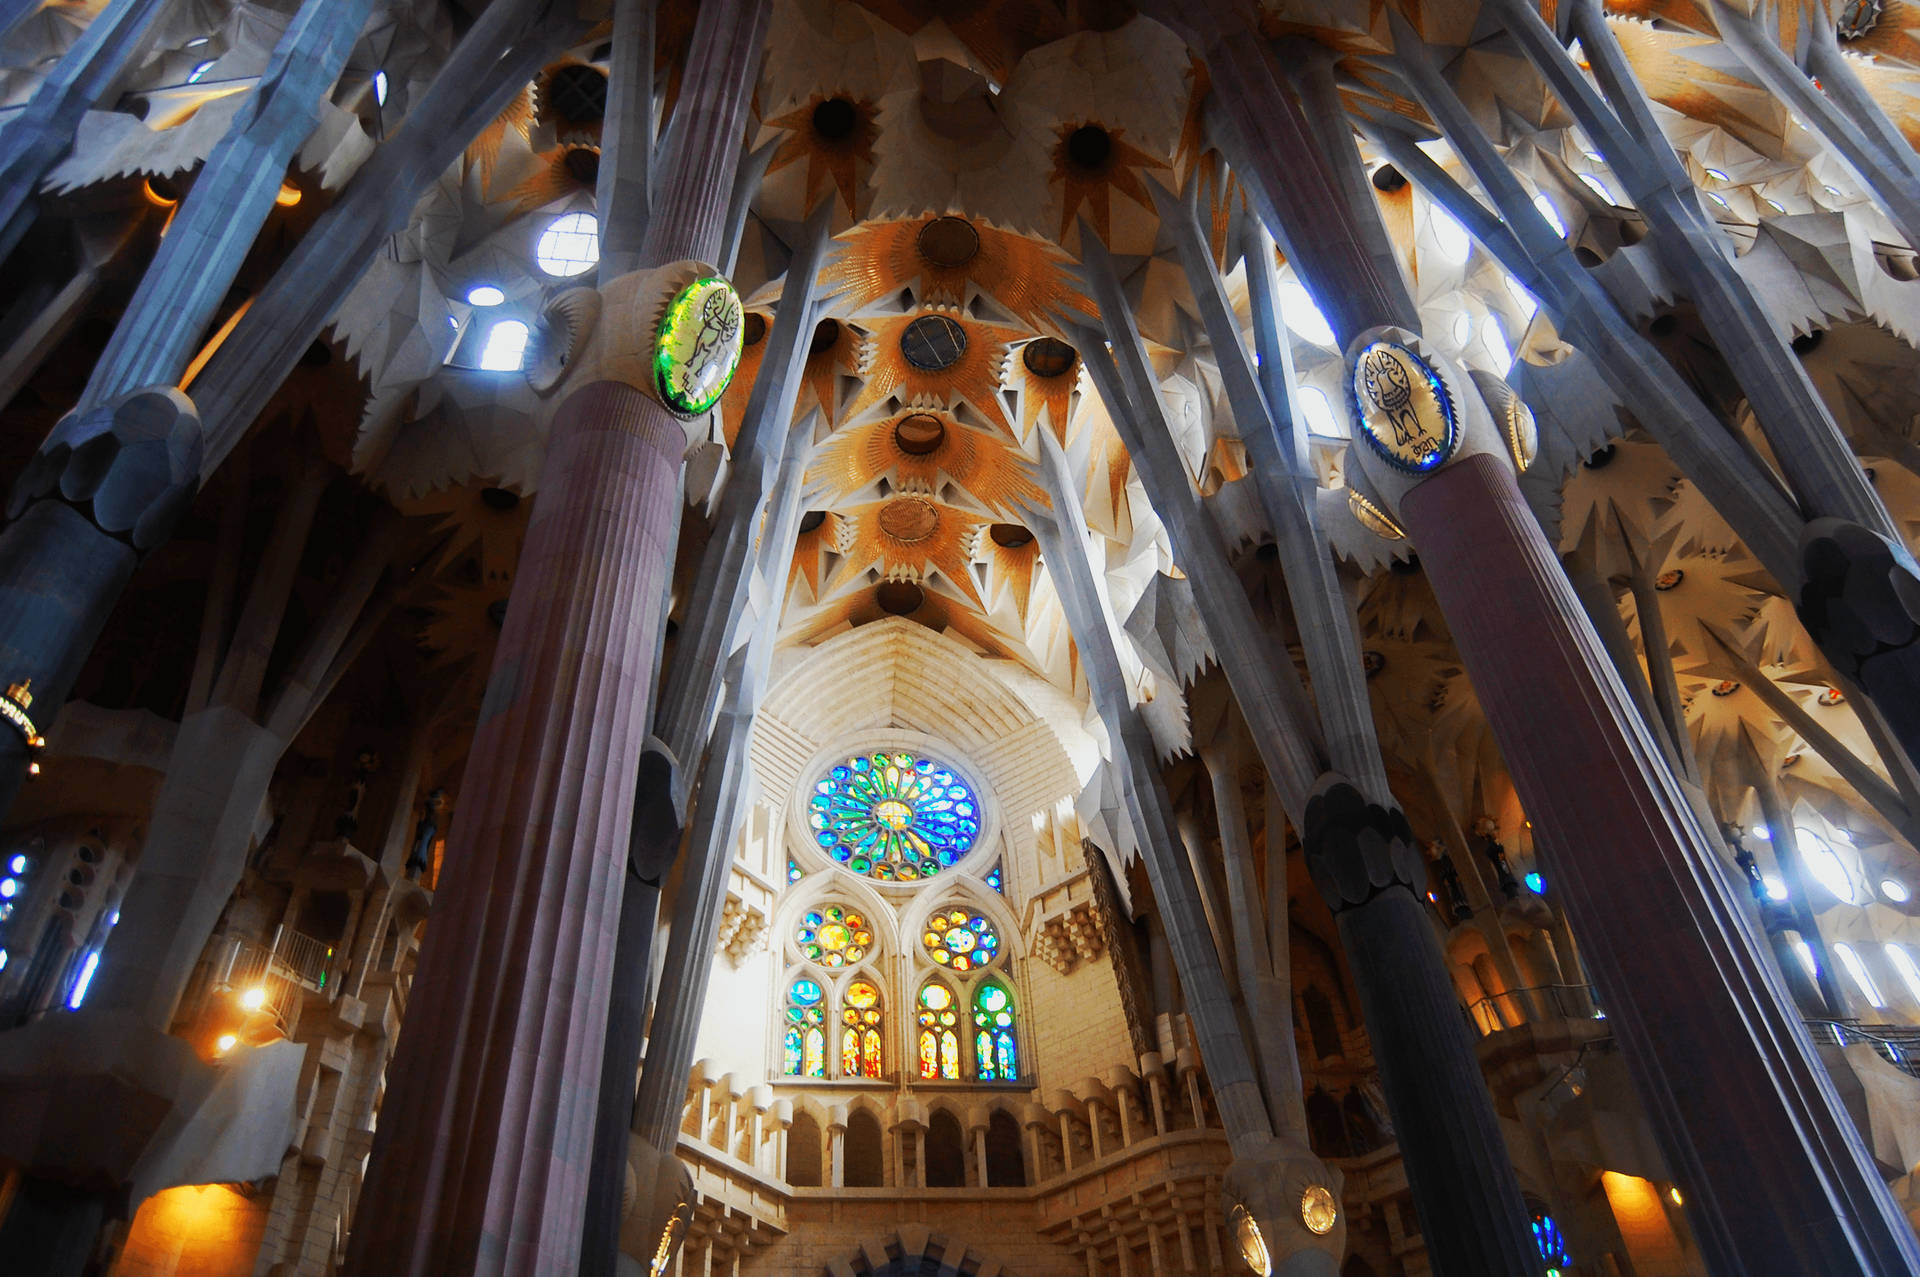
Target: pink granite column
[(482, 1157), (1775, 1175)]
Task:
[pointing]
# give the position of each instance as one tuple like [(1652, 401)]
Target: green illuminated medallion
[(698, 346)]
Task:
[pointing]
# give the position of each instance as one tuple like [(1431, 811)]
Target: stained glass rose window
[(960, 939), (894, 816), (835, 936)]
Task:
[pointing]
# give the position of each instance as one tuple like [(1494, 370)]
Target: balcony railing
[(1515, 1007), (1897, 1044), (303, 959)]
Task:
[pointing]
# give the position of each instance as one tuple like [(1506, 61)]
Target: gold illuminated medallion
[(1523, 433), (698, 346), (894, 814), (1373, 518), (1318, 1210), (1253, 1247), (1403, 407)]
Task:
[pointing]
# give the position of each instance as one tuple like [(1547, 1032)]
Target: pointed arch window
[(939, 1036), (803, 1046), (861, 1037), (996, 1055)]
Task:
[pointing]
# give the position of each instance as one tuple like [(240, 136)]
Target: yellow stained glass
[(929, 1055), (850, 1052), (870, 1064), (862, 995)]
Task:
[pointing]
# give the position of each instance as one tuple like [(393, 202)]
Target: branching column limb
[(33, 141), (216, 224), (493, 62), (1727, 474), (1839, 109), (1807, 441)]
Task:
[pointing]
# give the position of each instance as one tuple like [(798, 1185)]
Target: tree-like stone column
[(1775, 1175), (482, 1157)]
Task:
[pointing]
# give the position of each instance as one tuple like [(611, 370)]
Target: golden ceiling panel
[(1052, 395), (835, 353), (1892, 37), (483, 153), (1025, 276), (988, 466), (733, 403), (974, 376), (906, 538)]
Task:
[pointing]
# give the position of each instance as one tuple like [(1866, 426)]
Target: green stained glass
[(698, 346)]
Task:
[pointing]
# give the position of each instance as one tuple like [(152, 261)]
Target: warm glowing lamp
[(253, 999), (226, 1043)]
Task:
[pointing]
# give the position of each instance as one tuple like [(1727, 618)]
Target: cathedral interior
[(1007, 638)]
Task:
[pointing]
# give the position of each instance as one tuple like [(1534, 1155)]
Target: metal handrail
[(1515, 1007), (1897, 1044)]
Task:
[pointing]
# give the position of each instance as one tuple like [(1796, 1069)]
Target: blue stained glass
[(794, 873), (806, 992), (995, 881), (1546, 1235), (894, 816)]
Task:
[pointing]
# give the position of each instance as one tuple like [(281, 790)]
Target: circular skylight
[(1895, 890), (933, 343), (485, 295), (569, 246)]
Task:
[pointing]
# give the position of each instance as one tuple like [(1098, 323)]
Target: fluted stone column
[(1367, 866), (1775, 1174), (482, 1156)]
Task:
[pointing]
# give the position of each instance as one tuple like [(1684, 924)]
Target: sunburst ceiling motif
[(945, 263), (834, 134)]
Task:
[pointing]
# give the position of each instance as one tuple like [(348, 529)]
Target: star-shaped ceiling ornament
[(1090, 162), (972, 376), (834, 135), (987, 466), (943, 256)]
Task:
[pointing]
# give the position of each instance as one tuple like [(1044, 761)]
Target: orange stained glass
[(929, 1055), (862, 995), (870, 1063), (850, 1052)]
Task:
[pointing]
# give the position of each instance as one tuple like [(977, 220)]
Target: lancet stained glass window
[(803, 1044), (995, 1055), (860, 1039), (894, 816), (939, 1039), (960, 939), (835, 936)]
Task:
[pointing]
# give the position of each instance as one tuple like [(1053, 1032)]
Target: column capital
[(1281, 1201), (1356, 849), (131, 466), (1860, 599)]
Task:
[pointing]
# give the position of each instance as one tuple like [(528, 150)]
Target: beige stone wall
[(1076, 1023), (204, 1230)]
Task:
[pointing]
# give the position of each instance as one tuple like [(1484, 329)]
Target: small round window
[(569, 246), (835, 936), (960, 939), (933, 343), (895, 817)]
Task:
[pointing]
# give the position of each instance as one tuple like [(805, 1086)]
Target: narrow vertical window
[(860, 1036), (939, 1034), (803, 1039), (995, 1053)]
